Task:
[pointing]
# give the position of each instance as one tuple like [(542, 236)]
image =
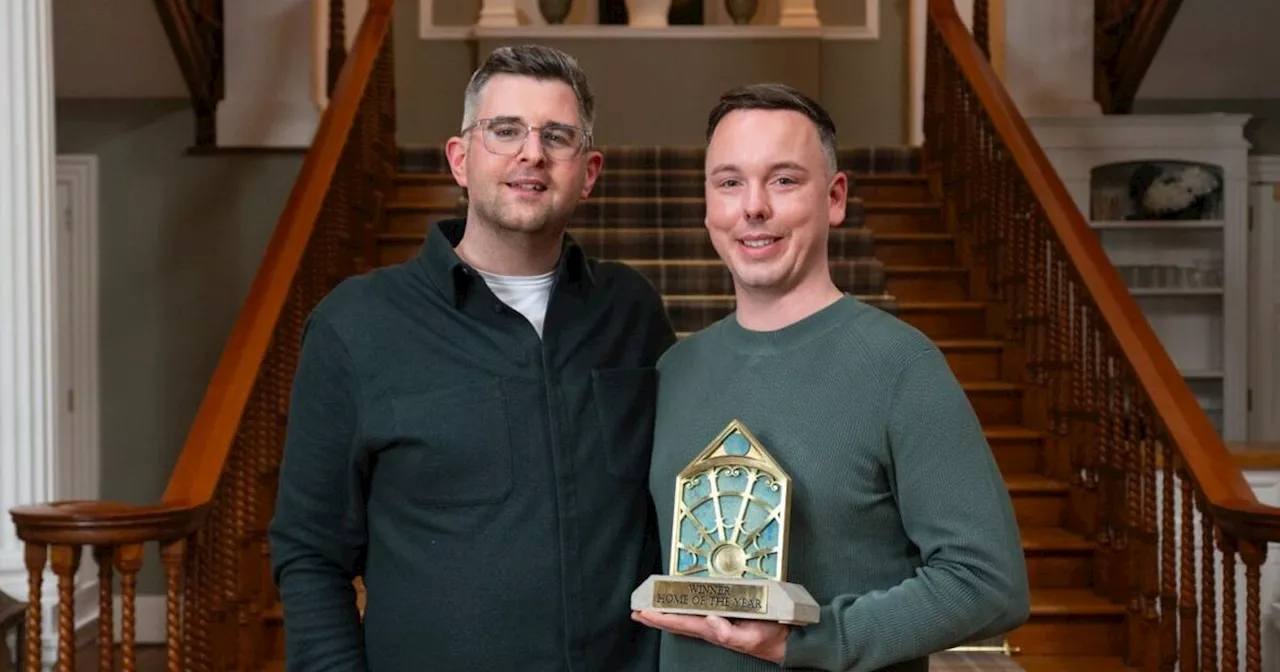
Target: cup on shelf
[(1210, 273)]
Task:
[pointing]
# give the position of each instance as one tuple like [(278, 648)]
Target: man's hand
[(762, 639)]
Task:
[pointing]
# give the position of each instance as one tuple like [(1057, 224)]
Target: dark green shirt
[(489, 486)]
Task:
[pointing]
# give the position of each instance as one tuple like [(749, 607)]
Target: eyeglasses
[(506, 137)]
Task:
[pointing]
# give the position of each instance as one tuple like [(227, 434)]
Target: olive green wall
[(179, 240), (861, 82)]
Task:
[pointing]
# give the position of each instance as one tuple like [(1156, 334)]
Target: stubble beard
[(511, 219)]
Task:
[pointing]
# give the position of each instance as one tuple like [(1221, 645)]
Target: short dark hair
[(538, 62), (770, 96)]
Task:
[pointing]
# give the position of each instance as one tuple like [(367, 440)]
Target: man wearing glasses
[(470, 431)]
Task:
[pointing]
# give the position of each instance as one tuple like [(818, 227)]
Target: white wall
[(1218, 49)]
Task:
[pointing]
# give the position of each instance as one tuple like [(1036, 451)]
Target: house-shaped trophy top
[(731, 507)]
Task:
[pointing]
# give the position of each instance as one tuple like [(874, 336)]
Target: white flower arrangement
[(1172, 193)]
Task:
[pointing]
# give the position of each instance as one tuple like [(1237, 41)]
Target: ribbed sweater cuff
[(816, 647)]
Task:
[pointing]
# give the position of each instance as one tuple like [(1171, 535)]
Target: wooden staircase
[(897, 219), (972, 238)]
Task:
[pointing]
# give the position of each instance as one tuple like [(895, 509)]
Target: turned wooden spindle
[(35, 556), (171, 554), (1168, 565), (128, 561), (66, 562), (1230, 644), (1189, 652), (1208, 590), (104, 557), (1254, 554)]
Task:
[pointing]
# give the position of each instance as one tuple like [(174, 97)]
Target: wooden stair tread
[(1012, 432), (923, 270), (914, 237), (1041, 539), (968, 344), (990, 386), (1071, 602), (940, 305), (1033, 484), (1071, 663)]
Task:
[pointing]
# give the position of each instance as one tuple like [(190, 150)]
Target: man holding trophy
[(829, 498)]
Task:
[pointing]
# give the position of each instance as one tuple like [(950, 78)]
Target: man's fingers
[(681, 624), (722, 632)]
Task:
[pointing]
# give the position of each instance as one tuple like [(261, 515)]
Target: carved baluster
[(999, 233), (190, 602), (1254, 554), (1150, 558), (1187, 607), (104, 556), (35, 556), (1208, 590), (128, 562), (240, 610), (66, 562), (171, 554), (204, 585), (337, 52), (1168, 565), (1078, 431), (1133, 520), (1230, 641), (1098, 396), (1118, 491), (981, 32)]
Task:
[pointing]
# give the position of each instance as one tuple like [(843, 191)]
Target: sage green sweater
[(901, 527)]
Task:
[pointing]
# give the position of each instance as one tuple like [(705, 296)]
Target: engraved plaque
[(734, 597)]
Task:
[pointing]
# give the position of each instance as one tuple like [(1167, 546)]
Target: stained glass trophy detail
[(729, 544)]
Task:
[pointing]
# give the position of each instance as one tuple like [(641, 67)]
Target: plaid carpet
[(635, 158), (647, 210)]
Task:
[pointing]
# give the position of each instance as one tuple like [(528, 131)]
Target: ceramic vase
[(741, 11), (555, 11), (648, 13)]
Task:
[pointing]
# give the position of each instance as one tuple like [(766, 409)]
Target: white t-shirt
[(527, 294)]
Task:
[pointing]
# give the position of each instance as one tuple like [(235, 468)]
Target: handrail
[(195, 476), (1198, 443), (221, 608), (1150, 483)]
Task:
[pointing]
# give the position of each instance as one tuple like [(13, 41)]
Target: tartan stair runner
[(647, 211)]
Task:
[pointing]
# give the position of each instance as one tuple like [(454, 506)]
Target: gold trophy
[(729, 543)]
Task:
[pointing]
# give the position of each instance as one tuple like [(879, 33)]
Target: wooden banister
[(195, 32), (1126, 431), (218, 419), (211, 521), (1127, 35)]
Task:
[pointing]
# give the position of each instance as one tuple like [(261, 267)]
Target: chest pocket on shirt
[(624, 400), (455, 446)]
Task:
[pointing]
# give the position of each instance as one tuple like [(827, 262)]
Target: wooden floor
[(152, 659)]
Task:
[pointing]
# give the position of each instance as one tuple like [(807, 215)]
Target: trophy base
[(759, 599)]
